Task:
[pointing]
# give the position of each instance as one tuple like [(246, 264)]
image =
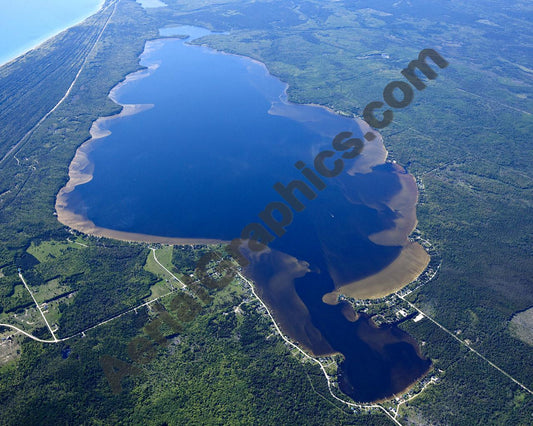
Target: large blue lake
[(202, 162)]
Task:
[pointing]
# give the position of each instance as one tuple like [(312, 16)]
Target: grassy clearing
[(19, 291), (164, 256), (163, 286), (28, 320), (52, 312), (152, 266), (51, 249), (159, 289), (231, 294), (49, 290)]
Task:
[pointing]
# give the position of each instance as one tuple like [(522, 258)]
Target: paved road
[(38, 307), (28, 334), (468, 346), (170, 273)]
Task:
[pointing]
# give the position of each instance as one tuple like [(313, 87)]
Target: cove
[(194, 156)]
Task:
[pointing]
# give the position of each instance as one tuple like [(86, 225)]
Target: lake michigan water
[(202, 162), (27, 23)]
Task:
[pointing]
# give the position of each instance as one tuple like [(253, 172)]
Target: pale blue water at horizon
[(25, 24), (151, 3)]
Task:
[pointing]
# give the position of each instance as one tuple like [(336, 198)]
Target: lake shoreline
[(406, 268), (81, 171), (30, 46), (276, 281)]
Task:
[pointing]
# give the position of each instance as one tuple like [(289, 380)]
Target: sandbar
[(404, 204), (406, 268)]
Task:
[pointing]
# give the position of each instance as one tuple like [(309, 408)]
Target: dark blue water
[(202, 163)]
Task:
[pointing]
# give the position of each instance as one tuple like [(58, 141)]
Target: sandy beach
[(411, 262), (82, 224)]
